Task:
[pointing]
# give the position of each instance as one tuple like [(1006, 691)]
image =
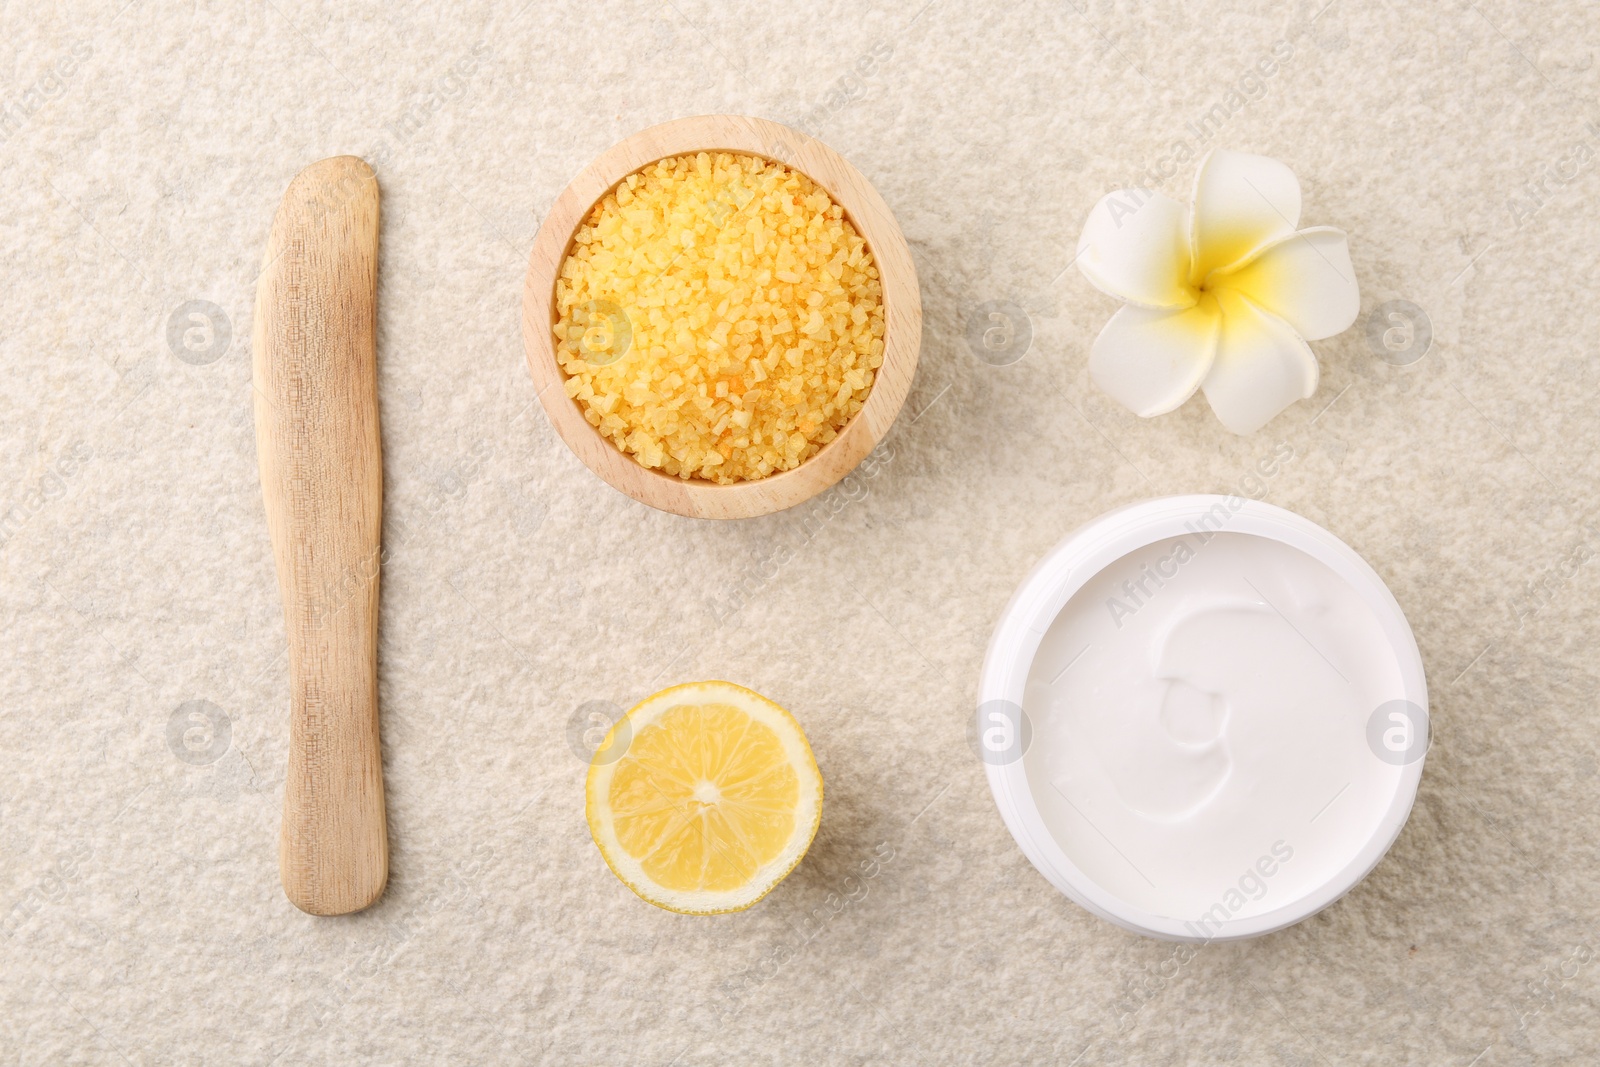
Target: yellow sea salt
[(719, 317)]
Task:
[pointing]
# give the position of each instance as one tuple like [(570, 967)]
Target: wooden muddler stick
[(316, 411)]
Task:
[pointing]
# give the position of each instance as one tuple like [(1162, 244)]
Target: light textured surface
[(140, 915)]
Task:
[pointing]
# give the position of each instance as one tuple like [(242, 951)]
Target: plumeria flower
[(1221, 295)]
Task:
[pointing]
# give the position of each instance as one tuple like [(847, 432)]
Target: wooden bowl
[(902, 313)]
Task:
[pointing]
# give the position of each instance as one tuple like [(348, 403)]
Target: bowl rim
[(1065, 570), (866, 210)]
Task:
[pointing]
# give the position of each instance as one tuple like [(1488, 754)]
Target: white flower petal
[(1241, 202), (1152, 361), (1135, 246), (1306, 279), (1262, 366)]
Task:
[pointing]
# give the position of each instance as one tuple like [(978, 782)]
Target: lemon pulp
[(714, 799)]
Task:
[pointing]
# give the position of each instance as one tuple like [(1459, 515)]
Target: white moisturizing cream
[(1219, 717)]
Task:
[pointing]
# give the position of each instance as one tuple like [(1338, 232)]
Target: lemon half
[(714, 799)]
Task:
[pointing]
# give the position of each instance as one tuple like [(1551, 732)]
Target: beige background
[(140, 915)]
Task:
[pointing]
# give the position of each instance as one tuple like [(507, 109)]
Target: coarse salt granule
[(719, 317)]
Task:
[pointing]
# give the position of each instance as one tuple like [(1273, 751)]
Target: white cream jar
[(1203, 718)]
